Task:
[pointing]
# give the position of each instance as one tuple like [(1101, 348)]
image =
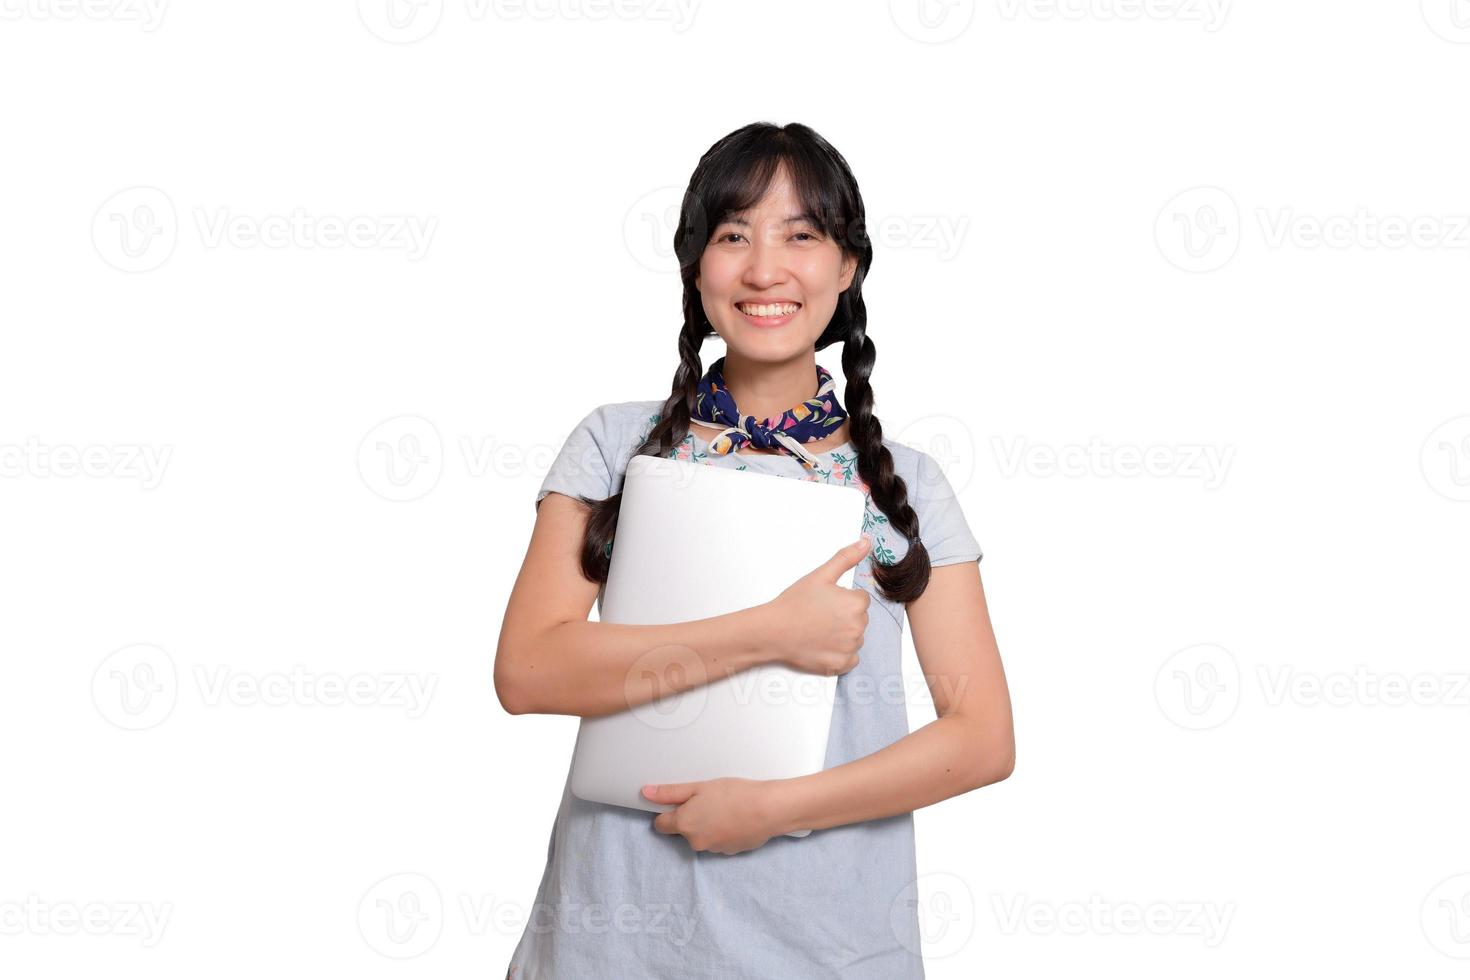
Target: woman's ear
[(849, 268)]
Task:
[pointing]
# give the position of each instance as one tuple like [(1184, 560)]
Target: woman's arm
[(551, 660), (971, 743)]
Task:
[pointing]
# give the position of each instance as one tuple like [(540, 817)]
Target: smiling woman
[(776, 272)]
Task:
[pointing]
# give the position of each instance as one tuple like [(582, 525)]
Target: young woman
[(773, 255)]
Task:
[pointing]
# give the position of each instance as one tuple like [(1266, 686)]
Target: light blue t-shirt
[(622, 901)]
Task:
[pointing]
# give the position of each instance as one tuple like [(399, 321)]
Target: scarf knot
[(812, 419)]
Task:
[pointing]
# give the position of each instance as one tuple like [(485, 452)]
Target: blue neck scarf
[(813, 419)]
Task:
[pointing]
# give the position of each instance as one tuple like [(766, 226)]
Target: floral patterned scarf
[(809, 421)]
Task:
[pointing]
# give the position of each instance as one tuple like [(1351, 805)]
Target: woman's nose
[(767, 262)]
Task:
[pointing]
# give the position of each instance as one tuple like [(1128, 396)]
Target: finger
[(669, 792), (664, 823), (847, 557)]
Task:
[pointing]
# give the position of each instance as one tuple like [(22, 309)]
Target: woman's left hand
[(726, 815)]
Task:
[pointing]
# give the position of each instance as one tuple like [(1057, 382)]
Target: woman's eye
[(803, 235)]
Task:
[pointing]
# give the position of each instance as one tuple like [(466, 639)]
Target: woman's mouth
[(768, 314)]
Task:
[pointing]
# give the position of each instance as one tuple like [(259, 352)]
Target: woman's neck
[(766, 390)]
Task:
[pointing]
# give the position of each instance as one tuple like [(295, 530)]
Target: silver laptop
[(693, 541)]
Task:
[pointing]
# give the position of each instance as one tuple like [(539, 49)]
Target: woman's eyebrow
[(805, 216)]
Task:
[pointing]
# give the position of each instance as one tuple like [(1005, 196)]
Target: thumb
[(669, 792), (846, 557)]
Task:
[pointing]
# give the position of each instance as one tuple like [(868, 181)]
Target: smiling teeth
[(779, 309)]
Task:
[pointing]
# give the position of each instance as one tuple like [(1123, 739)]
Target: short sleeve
[(942, 525), (582, 467)]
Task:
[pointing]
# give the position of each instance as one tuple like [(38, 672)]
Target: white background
[(1193, 231)]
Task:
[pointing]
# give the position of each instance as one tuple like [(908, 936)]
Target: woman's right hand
[(816, 625)]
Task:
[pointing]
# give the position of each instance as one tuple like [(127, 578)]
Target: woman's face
[(769, 278)]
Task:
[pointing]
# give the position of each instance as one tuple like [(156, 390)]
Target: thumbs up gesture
[(815, 624)]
